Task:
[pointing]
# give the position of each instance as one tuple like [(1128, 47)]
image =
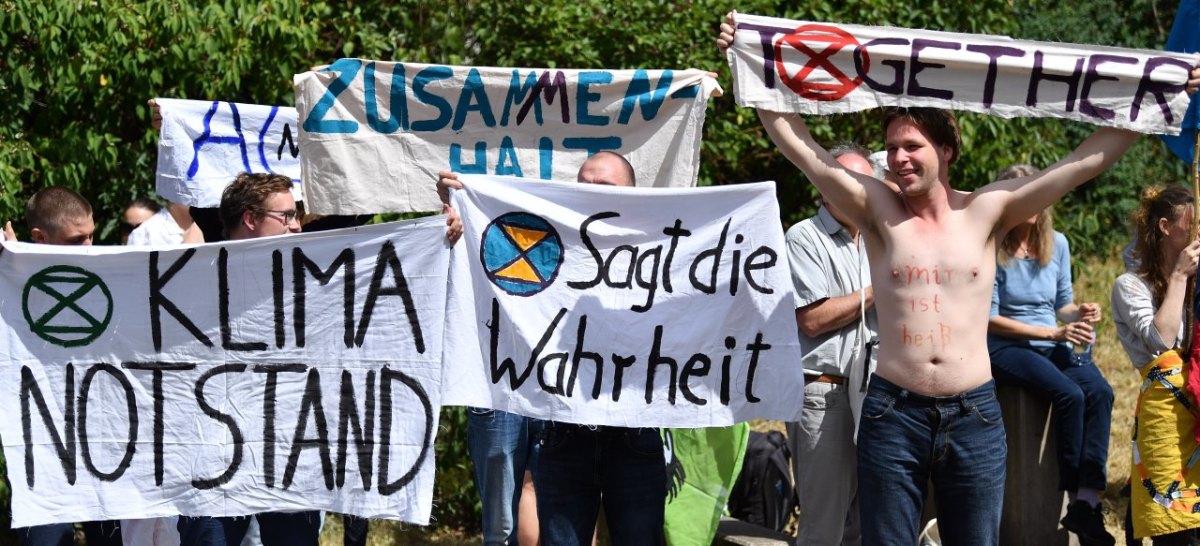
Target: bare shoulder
[(986, 205), (885, 204)]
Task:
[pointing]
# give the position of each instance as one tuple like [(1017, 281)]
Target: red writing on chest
[(935, 275), (937, 340), (924, 304)]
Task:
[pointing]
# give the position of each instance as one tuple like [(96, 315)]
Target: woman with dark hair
[(1148, 308), (136, 212), (1029, 349)]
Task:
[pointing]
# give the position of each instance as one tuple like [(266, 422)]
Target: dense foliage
[(75, 76)]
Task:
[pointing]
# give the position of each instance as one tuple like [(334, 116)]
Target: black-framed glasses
[(286, 216)]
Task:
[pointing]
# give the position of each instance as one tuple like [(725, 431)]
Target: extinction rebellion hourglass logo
[(67, 306), (521, 253)]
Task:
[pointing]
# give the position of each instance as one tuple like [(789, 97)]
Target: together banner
[(637, 307), (828, 68), (203, 145), (375, 134), (287, 373)]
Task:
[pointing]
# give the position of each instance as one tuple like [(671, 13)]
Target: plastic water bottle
[(1081, 353)]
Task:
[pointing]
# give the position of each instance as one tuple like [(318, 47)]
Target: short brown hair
[(248, 192), (48, 208), (940, 125)]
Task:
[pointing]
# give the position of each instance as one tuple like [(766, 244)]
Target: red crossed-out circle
[(837, 40)]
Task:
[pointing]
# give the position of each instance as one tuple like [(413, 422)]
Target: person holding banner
[(1148, 308), (579, 466), (931, 413), (836, 319), (255, 205), (1030, 350), (59, 216), (502, 445), (582, 466)]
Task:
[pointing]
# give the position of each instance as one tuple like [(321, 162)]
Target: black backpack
[(764, 493)]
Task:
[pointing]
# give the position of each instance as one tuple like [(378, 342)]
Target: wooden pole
[(1189, 312)]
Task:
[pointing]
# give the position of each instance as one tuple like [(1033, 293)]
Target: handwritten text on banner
[(622, 306), (287, 373), (826, 68), (203, 145), (375, 134)]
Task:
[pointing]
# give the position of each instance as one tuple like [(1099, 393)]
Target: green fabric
[(711, 459)]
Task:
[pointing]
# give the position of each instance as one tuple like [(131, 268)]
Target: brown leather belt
[(825, 378)]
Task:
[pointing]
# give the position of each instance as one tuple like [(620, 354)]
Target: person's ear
[(1164, 226), (249, 220), (38, 236)]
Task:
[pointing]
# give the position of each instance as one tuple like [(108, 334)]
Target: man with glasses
[(258, 205), (255, 205)]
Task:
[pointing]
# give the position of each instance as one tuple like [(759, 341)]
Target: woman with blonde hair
[(1031, 350), (1148, 308)]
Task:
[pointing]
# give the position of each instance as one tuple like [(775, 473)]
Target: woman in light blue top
[(1028, 348)]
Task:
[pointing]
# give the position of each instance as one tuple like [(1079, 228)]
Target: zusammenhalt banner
[(375, 134)]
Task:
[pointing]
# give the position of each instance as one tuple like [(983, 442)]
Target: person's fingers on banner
[(9, 234), (155, 114), (1193, 83), (447, 181), (454, 225), (728, 28)]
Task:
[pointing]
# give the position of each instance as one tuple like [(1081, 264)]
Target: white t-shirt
[(160, 229), (1133, 312)]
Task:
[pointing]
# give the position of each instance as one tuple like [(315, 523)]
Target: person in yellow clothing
[(1148, 308)]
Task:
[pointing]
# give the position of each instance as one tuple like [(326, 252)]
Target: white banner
[(827, 68), (203, 145), (642, 307), (276, 374), (375, 134)]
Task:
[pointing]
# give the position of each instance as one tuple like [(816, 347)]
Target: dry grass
[(392, 533), (1093, 283)]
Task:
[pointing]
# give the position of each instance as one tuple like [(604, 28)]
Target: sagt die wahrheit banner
[(642, 307)]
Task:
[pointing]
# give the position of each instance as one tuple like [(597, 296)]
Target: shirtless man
[(931, 412)]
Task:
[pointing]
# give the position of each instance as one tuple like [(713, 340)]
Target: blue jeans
[(906, 440), (354, 530), (1082, 402), (501, 446), (580, 467), (98, 533), (275, 528), (52, 534)]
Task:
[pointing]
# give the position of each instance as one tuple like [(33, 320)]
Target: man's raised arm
[(1028, 196), (845, 189)]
